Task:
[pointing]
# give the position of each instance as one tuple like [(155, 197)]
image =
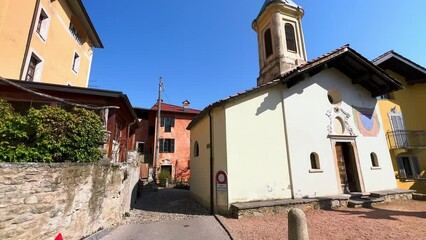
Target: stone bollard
[(297, 226)]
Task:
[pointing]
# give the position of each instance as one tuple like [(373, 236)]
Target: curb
[(100, 234), (217, 217)]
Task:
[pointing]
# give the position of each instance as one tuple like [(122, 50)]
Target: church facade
[(309, 128)]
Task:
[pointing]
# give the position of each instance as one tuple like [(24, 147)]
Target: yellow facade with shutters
[(49, 41), (404, 121)]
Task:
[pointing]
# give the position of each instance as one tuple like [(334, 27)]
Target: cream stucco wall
[(256, 150), (200, 166), (306, 105)]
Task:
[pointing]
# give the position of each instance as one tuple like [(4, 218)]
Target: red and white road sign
[(221, 180)]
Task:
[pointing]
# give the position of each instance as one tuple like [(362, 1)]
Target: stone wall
[(39, 201)]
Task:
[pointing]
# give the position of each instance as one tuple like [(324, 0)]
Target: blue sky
[(207, 50)]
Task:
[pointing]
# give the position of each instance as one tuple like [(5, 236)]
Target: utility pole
[(157, 130)]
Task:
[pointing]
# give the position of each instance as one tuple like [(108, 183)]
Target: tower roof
[(286, 2)]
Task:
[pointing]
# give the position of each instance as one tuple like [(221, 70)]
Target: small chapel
[(310, 128)]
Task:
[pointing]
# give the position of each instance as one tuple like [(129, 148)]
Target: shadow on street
[(167, 200)]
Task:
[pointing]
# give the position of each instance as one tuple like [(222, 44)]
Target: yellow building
[(404, 120), (48, 41)]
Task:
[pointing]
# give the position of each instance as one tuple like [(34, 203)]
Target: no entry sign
[(221, 180)]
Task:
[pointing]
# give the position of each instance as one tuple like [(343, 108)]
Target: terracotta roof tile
[(173, 108)]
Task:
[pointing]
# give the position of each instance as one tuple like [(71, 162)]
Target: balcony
[(407, 139), (75, 34)]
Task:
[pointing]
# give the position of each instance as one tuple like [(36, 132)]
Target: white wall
[(306, 105), (256, 149)]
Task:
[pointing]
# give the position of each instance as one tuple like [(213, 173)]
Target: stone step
[(364, 201)]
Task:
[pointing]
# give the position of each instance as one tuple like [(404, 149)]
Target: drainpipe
[(30, 34), (211, 164), (290, 174)]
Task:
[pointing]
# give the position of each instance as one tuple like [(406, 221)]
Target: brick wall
[(38, 201)]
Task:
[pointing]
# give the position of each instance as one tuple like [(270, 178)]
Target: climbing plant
[(49, 134)]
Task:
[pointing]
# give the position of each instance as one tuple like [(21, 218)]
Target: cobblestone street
[(167, 214), (164, 205)]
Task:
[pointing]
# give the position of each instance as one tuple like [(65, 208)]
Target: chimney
[(186, 105)]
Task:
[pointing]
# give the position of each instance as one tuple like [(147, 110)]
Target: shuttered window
[(408, 167), (167, 145), (167, 123), (398, 127)]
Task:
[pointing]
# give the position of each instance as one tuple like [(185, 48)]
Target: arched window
[(196, 149), (374, 160), (268, 43), (314, 161), (290, 37)]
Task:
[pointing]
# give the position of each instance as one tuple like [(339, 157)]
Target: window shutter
[(172, 119), (402, 174), (162, 121), (416, 167), (172, 145), (161, 145), (397, 121)]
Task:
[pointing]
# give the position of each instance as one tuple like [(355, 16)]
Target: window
[(314, 161), (167, 123), (196, 149), (290, 37), (76, 63), (43, 23), (34, 68), (167, 145), (268, 43), (140, 146), (74, 33), (408, 167), (374, 160), (398, 127)]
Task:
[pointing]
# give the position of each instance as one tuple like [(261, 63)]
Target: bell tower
[(280, 38)]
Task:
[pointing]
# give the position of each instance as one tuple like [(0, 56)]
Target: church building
[(308, 129)]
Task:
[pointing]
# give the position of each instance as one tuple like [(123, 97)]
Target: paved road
[(167, 214), (203, 227)]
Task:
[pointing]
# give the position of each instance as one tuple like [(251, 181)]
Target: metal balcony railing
[(407, 139), (75, 34)]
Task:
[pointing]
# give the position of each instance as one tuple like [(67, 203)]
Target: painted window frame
[(375, 165), (42, 26), (76, 62), (138, 149), (314, 161), (168, 123), (167, 145), (38, 69)]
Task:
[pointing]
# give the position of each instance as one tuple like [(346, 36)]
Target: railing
[(74, 33), (407, 139)]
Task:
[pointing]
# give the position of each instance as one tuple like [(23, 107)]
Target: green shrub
[(49, 134), (164, 177)]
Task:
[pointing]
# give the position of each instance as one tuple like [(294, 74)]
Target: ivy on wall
[(49, 134)]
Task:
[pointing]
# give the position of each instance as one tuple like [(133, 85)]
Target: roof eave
[(80, 10)]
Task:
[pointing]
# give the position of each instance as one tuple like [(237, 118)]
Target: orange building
[(174, 138), (49, 41)]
